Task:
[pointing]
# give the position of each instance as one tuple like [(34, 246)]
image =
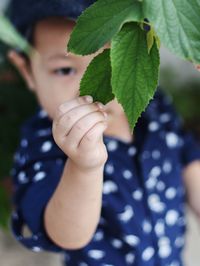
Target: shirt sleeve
[(34, 179), (188, 141)]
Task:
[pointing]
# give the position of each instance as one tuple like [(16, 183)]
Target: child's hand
[(78, 130)]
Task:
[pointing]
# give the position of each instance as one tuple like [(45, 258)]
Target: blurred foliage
[(10, 36), (5, 208), (16, 105)]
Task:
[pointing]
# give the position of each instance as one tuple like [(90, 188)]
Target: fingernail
[(88, 98)]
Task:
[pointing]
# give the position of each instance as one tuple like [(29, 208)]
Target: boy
[(83, 184)]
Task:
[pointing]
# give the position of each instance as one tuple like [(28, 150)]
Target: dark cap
[(24, 13)]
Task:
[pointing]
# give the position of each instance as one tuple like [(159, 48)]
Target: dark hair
[(25, 13), (29, 36)]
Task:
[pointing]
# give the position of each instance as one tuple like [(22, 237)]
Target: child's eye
[(65, 71)]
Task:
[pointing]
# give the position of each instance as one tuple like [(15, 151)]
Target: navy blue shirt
[(143, 202)]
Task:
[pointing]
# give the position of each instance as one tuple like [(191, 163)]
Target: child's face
[(52, 75)]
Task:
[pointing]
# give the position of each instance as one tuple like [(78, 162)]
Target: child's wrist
[(85, 170)]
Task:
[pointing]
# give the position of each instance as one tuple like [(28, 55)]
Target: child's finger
[(94, 134), (65, 123), (83, 126), (65, 107)]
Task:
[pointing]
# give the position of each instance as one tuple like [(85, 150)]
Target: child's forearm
[(73, 212)]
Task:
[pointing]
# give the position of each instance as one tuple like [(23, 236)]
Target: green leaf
[(150, 40), (11, 37), (158, 42), (96, 80), (100, 22), (134, 71), (177, 23), (5, 209), (151, 37)]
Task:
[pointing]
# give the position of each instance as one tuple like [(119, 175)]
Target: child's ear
[(23, 66)]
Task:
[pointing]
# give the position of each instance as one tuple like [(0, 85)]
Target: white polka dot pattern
[(46, 146), (148, 253)]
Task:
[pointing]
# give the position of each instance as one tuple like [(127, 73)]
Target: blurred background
[(177, 77)]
